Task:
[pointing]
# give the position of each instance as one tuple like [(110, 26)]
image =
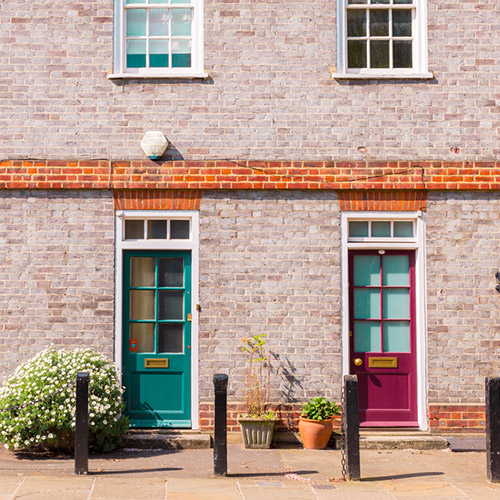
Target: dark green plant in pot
[(319, 409)]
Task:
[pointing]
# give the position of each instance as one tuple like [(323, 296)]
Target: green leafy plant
[(258, 383), (319, 409), (37, 402)]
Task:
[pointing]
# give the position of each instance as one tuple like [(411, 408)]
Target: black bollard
[(82, 424), (351, 427), (220, 424), (493, 429)]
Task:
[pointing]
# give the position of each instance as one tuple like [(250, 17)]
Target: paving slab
[(466, 443)]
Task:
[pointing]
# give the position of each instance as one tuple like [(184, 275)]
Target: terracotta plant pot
[(315, 434)]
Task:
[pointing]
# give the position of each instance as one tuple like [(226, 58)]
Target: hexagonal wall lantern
[(154, 144)]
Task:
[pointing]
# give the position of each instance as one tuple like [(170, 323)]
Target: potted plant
[(257, 425), (315, 424)]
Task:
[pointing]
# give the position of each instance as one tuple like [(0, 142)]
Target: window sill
[(382, 76), (157, 76)]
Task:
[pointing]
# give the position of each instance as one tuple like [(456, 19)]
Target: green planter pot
[(257, 433)]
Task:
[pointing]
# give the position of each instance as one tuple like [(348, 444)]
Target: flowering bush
[(48, 379)]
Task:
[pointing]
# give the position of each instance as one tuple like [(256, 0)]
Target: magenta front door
[(382, 336)]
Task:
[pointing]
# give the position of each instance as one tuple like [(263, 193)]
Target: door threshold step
[(401, 441), (148, 439)]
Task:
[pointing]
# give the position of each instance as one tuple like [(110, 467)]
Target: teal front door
[(157, 338)]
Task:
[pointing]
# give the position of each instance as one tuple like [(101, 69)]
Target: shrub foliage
[(40, 401)]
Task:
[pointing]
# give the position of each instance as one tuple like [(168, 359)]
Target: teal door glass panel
[(396, 303), (157, 338), (366, 303), (367, 336), (381, 229), (396, 336), (395, 270), (366, 270)]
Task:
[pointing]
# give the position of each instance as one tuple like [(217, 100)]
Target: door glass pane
[(403, 229), (170, 337), (366, 303), (144, 335), (381, 229), (396, 303), (358, 229), (157, 229), (367, 336), (379, 22), (395, 270), (396, 336), (171, 272), (179, 230), (170, 304), (134, 230), (142, 304), (366, 270), (142, 271)]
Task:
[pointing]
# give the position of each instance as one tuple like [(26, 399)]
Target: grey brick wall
[(270, 263), (463, 254), (56, 273), (270, 96)]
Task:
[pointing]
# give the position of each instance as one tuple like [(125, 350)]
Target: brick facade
[(56, 271)]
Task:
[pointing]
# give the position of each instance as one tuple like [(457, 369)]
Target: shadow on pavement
[(401, 476), (281, 474), (133, 471)]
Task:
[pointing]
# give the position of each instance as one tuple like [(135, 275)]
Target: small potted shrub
[(257, 425), (40, 396), (315, 424)]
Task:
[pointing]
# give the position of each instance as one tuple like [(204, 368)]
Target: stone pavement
[(290, 474)]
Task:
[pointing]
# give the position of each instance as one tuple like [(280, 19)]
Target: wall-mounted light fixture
[(154, 144)]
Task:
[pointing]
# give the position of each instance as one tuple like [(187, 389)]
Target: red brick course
[(457, 418), (382, 200), (199, 175), (135, 199)]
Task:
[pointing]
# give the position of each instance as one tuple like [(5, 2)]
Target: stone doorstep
[(189, 439)]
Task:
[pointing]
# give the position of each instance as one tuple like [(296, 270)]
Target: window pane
[(358, 2), (171, 304), (142, 271), (380, 1), (171, 272), (136, 54), (135, 1), (403, 229), (158, 22), (366, 303), (181, 22), (396, 336), (170, 338), (134, 230), (396, 304), (366, 270), (142, 304), (179, 230), (403, 1), (401, 22), (379, 54), (158, 53), (136, 22), (381, 229), (159, 1), (402, 54), (395, 270), (356, 23), (358, 229), (367, 336), (144, 336), (379, 22), (181, 53), (356, 53), (157, 229)]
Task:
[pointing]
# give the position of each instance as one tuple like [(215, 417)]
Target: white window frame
[(419, 47), (119, 56), (416, 243), (190, 244)]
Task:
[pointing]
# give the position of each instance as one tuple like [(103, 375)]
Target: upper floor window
[(382, 38), (158, 38)]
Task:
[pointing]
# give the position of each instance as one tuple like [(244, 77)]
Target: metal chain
[(36, 401), (342, 436)]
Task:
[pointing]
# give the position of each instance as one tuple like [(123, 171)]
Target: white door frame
[(193, 245), (416, 243)]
